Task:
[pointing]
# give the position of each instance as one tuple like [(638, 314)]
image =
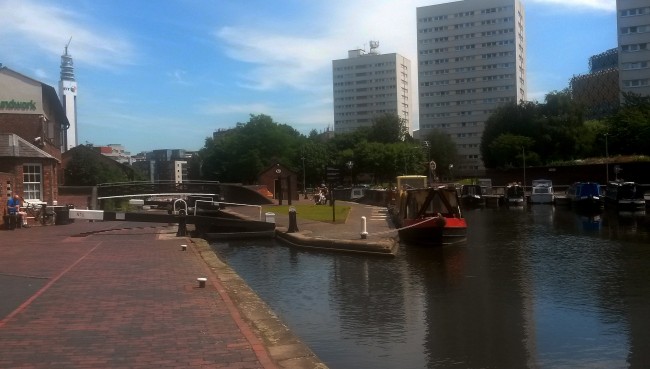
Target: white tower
[(68, 95)]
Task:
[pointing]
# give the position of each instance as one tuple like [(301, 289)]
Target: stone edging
[(283, 346), (386, 246)]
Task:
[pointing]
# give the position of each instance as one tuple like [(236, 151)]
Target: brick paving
[(122, 298), (125, 295)]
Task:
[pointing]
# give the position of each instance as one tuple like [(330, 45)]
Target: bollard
[(293, 222), (269, 217), (182, 226), (183, 247), (202, 281), (364, 233)]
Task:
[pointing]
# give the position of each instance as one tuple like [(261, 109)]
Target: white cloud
[(49, 28), (279, 59)]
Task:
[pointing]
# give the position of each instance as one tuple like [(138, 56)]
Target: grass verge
[(321, 213)]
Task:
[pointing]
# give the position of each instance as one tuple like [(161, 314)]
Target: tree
[(317, 159), (515, 119), (441, 149), (508, 151), (556, 130), (629, 127), (89, 168), (238, 155), (388, 128)]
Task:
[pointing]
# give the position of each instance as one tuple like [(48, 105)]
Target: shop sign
[(18, 105)]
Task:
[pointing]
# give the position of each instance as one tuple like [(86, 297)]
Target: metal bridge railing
[(124, 189)]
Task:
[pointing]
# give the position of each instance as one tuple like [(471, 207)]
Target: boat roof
[(544, 182), (621, 183)]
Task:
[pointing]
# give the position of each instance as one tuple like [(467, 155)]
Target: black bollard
[(293, 222), (182, 226)]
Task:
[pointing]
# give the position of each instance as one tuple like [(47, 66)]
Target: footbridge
[(201, 203), (224, 192)]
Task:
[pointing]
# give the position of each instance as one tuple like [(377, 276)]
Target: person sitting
[(17, 217), (13, 207), (22, 215)]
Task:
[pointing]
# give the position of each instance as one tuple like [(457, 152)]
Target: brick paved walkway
[(125, 298)]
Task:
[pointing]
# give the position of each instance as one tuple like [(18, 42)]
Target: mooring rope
[(399, 229)]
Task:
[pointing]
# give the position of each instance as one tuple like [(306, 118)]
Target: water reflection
[(533, 287)]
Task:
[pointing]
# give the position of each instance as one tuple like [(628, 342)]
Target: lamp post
[(426, 144), (350, 165), (606, 161), (451, 171), (523, 151)]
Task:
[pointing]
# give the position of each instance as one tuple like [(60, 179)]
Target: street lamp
[(451, 171), (606, 160), (426, 144), (349, 165), (523, 151)]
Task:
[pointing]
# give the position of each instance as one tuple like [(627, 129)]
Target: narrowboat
[(514, 195), (428, 216), (471, 196), (626, 196), (585, 196)]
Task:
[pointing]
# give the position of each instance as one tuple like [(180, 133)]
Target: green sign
[(18, 105)]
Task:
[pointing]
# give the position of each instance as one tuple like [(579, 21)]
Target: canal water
[(534, 287)]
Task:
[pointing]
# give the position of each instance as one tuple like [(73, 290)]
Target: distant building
[(68, 95), (367, 85), (115, 152), (471, 60), (32, 126), (165, 165), (598, 91), (633, 21)]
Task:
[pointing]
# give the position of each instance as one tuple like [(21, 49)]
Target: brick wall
[(28, 127), (269, 178), (49, 169), (6, 190), (565, 175)]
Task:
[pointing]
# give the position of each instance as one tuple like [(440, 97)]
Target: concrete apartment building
[(633, 21), (471, 59), (370, 84)]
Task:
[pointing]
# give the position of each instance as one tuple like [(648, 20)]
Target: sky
[(166, 74)]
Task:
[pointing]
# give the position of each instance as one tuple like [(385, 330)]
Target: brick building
[(279, 176), (32, 125)]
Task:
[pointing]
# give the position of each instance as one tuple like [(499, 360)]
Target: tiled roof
[(12, 145)]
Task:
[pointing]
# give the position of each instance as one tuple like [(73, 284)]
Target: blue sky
[(167, 73)]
